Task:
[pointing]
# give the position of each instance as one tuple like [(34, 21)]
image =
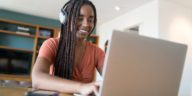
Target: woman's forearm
[(45, 81), (42, 80)]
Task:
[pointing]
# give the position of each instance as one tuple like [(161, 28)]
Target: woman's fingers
[(96, 91), (96, 87), (90, 89), (98, 84)]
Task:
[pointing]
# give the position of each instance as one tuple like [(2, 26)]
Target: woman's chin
[(81, 37)]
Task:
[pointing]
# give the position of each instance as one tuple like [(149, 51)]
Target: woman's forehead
[(86, 9)]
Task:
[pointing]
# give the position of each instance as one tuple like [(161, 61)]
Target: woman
[(67, 64)]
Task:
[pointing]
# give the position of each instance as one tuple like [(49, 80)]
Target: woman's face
[(85, 21)]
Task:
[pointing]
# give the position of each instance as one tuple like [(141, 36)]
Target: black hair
[(65, 56)]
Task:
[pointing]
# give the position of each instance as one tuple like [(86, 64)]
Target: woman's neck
[(79, 50), (80, 43)]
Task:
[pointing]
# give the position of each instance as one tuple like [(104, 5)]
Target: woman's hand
[(90, 88)]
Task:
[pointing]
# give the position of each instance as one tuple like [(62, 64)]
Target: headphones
[(63, 15)]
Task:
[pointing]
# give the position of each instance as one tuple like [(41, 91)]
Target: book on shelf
[(23, 33), (21, 28), (44, 33)]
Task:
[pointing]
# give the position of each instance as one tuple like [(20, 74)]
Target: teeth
[(83, 31)]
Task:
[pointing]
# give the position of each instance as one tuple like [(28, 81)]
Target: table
[(6, 91)]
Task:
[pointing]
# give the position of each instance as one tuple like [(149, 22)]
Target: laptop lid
[(142, 66)]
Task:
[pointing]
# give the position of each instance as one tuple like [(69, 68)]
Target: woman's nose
[(85, 23)]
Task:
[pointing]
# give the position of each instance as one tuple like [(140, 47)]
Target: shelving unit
[(15, 49), (19, 47), (11, 33)]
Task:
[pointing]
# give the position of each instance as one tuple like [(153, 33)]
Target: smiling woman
[(68, 62)]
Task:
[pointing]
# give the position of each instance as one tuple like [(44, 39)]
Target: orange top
[(93, 58)]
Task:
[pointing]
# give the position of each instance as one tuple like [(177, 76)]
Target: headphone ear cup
[(63, 17)]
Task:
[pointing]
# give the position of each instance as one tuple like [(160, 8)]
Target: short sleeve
[(48, 49), (100, 58)]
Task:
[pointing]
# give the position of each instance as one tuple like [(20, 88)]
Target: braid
[(65, 56)]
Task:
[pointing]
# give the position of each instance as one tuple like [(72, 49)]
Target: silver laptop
[(142, 66)]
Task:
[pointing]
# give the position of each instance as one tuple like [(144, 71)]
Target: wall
[(10, 15), (146, 16), (175, 24)]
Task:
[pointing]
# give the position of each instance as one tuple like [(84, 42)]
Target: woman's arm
[(100, 57), (42, 80)]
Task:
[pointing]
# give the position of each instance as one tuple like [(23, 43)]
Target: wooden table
[(5, 91)]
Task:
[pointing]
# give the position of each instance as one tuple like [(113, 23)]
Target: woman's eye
[(91, 20), (80, 19)]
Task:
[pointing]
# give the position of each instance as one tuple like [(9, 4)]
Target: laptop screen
[(142, 66)]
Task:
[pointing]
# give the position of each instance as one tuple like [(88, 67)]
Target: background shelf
[(15, 49), (18, 34)]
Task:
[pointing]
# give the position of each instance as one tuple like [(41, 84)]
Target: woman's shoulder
[(52, 41), (56, 40), (48, 49)]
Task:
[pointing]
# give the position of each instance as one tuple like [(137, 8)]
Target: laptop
[(142, 66)]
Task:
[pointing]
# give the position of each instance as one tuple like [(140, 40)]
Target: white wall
[(161, 19), (146, 16), (175, 24)]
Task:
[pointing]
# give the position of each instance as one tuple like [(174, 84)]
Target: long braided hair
[(65, 56)]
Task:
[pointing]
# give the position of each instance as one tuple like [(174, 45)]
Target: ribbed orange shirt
[(93, 58)]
